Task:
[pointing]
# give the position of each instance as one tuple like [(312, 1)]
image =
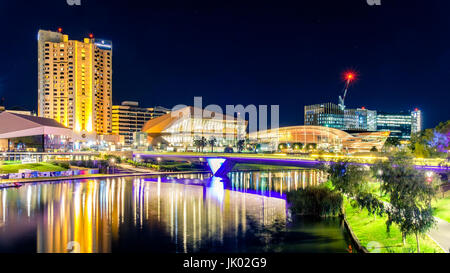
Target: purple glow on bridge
[(216, 163)]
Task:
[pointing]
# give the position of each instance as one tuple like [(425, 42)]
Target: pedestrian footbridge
[(221, 164)]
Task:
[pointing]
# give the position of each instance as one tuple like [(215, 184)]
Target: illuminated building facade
[(402, 124), (331, 115), (129, 118), (26, 133), (324, 138), (179, 128), (325, 114), (360, 119), (75, 82)]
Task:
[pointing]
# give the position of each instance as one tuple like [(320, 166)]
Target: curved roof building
[(324, 137), (180, 127)]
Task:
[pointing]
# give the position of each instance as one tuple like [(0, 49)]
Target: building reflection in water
[(95, 216), (275, 184)]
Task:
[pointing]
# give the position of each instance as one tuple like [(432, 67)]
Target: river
[(180, 214)]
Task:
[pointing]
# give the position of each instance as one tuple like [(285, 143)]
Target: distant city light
[(60, 30)]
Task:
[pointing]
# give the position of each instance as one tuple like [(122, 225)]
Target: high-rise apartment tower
[(75, 82)]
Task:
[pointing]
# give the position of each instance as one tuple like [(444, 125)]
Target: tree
[(200, 143), (212, 142), (440, 141), (298, 146), (419, 143), (282, 146), (410, 195), (431, 142), (391, 143), (349, 179), (251, 145), (352, 180), (240, 145), (311, 146)]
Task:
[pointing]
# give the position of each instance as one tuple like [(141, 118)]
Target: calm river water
[(184, 214)]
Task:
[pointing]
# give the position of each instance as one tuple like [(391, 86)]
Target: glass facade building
[(179, 128), (326, 114), (401, 125), (323, 138)]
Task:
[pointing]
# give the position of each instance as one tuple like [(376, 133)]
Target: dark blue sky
[(289, 53)]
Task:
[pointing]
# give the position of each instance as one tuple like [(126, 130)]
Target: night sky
[(290, 53)]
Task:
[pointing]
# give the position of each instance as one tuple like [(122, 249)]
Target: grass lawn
[(369, 229), (441, 208), (441, 205), (40, 167)]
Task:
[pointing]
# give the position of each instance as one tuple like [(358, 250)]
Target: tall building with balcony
[(129, 118), (75, 82)]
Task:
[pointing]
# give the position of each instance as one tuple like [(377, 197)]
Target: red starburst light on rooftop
[(59, 30), (91, 35)]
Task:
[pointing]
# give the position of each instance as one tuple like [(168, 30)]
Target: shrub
[(315, 201), (61, 164)]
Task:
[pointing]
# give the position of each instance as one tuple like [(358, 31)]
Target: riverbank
[(371, 233), (39, 167)]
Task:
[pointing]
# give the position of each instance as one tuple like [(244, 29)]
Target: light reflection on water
[(160, 214)]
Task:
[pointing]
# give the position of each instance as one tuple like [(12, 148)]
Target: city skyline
[(186, 63), (257, 133)]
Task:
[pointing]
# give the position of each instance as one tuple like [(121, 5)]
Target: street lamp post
[(159, 162), (112, 161)]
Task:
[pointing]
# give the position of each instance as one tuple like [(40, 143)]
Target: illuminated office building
[(360, 119), (129, 118), (330, 115), (416, 121), (75, 82), (401, 124), (325, 114)]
